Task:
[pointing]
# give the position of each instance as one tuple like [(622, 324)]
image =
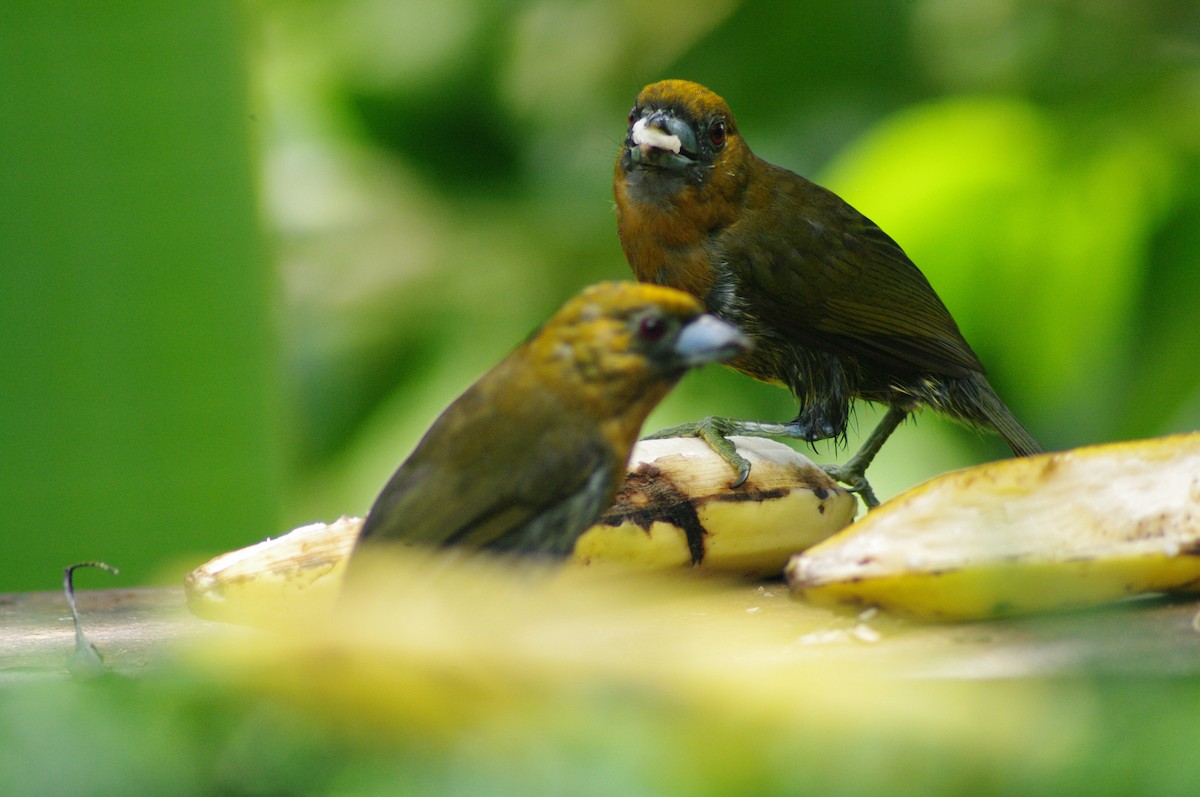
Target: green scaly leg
[(716, 432)]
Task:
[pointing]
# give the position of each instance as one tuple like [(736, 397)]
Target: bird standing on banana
[(835, 308), (531, 454)]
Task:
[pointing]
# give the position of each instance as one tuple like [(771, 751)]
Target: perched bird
[(531, 454), (835, 308)]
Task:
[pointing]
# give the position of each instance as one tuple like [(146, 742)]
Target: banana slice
[(676, 510), (1034, 534), (287, 579)]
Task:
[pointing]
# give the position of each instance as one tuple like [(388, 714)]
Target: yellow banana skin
[(1036, 534)]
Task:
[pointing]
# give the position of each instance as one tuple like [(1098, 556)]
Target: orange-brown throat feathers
[(668, 218)]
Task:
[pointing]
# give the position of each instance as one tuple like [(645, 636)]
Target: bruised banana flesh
[(676, 510), (1033, 534)]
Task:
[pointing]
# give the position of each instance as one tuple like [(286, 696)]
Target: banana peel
[(675, 511), (1044, 533)]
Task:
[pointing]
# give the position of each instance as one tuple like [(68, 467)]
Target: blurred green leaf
[(139, 391), (1033, 232)]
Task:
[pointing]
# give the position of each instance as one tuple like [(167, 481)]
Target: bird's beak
[(708, 339), (662, 139)]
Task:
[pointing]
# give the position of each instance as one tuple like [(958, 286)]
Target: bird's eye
[(716, 133), (633, 114), (651, 328)]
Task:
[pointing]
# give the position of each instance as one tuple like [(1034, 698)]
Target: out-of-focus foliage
[(441, 179), (186, 736), (139, 377)]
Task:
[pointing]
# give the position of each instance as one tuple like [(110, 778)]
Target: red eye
[(651, 328), (633, 112), (716, 133)]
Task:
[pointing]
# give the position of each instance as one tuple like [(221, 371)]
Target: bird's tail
[(991, 413), (1017, 436)]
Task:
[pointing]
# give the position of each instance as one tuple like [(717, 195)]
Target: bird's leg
[(854, 472), (716, 432)]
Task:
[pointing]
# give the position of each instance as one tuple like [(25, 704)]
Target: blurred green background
[(249, 251)]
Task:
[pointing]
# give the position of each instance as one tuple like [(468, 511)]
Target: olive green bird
[(530, 455)]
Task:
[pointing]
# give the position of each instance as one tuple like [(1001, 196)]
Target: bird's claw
[(855, 481), (713, 431), (743, 473)]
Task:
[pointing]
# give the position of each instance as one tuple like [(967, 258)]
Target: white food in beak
[(643, 135)]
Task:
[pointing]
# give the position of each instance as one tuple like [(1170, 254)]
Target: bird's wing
[(832, 278), (484, 477)]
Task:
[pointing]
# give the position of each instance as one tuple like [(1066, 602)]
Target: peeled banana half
[(675, 510), (1043, 533)]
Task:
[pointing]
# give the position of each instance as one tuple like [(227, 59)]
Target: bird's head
[(679, 133), (624, 344)]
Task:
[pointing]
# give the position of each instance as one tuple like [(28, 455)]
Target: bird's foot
[(855, 480), (854, 473), (715, 432)]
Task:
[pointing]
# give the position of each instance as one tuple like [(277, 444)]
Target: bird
[(531, 454), (836, 310)]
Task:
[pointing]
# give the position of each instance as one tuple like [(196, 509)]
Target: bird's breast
[(671, 246), (685, 270)]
